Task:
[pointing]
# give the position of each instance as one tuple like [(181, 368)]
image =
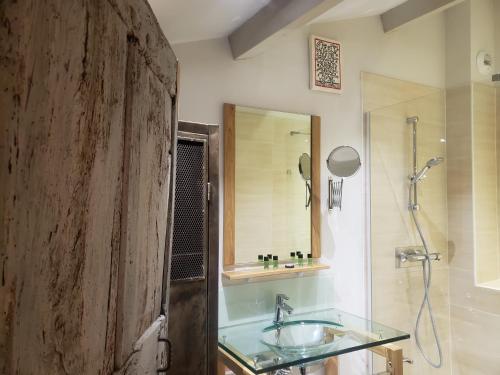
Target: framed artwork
[(325, 66)]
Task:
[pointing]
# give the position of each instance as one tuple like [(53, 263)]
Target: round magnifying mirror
[(343, 161), (305, 166)]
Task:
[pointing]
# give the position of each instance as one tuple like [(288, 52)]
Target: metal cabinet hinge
[(209, 191)]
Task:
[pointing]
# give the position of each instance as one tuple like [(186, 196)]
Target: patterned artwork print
[(326, 64)]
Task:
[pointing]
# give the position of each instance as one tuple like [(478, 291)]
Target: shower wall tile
[(485, 182), (475, 311), (464, 293), (475, 351), (397, 293), (459, 156)]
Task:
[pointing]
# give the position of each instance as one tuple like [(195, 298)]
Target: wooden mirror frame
[(229, 185)]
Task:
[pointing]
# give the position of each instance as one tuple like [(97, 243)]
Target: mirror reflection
[(305, 172), (270, 191), (305, 166)]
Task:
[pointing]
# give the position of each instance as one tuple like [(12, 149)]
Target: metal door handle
[(168, 343)]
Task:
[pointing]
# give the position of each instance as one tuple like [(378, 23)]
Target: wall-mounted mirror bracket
[(335, 194)]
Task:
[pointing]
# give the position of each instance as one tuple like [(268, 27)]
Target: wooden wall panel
[(151, 42), (316, 186), (61, 125), (229, 176), (146, 180)]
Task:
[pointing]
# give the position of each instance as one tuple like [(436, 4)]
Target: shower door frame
[(368, 252)]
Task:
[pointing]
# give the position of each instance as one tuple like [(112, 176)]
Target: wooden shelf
[(259, 271)]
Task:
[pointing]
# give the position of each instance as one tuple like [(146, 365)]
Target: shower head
[(412, 120), (434, 161), (430, 163)]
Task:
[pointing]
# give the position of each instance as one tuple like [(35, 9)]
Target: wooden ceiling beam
[(412, 10), (272, 22)]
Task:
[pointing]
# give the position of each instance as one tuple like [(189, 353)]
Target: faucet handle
[(280, 297)]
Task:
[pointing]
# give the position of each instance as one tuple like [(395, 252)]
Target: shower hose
[(426, 301)]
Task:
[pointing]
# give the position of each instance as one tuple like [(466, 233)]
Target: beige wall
[(397, 292), (270, 193), (485, 182), (482, 35), (474, 310), (457, 46)]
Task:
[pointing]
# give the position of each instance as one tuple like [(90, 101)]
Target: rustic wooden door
[(147, 168), (87, 119)]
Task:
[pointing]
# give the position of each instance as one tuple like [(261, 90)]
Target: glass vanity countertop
[(262, 346)]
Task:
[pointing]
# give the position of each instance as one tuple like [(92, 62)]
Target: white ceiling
[(349, 9), (191, 20)]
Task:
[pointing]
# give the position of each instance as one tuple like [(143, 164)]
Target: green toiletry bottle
[(309, 259), (292, 256), (301, 260), (298, 253), (275, 261), (260, 257), (266, 262)]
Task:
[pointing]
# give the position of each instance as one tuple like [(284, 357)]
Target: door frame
[(212, 133)]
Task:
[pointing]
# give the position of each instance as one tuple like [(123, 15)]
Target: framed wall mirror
[(271, 184)]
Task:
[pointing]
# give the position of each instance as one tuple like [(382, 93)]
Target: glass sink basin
[(307, 338), (303, 338)]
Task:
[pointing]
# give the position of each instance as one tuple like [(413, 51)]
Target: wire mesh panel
[(190, 245)]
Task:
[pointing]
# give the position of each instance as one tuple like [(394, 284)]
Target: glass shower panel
[(397, 292)]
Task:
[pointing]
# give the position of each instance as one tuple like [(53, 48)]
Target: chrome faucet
[(280, 307)]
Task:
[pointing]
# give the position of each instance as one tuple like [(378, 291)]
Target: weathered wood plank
[(61, 123), (146, 180), (153, 46), (146, 359)]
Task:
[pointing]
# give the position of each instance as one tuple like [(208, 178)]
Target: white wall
[(278, 79), (482, 35)]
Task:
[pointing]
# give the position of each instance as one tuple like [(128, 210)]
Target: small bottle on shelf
[(292, 256), (309, 259), (301, 260), (270, 257), (266, 262), (275, 261), (297, 254), (260, 258)]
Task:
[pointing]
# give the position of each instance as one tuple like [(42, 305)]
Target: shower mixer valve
[(412, 256)]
